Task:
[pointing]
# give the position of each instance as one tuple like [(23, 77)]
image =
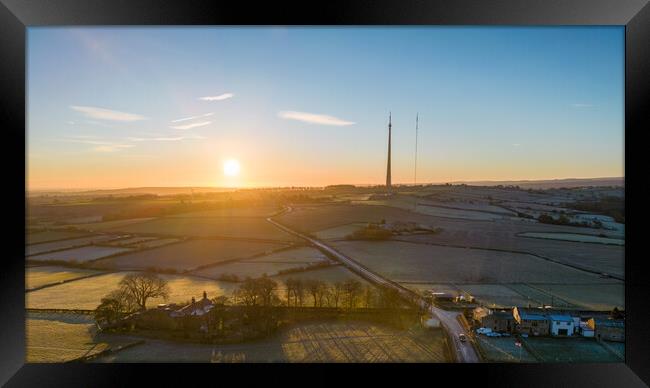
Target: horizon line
[(484, 181)]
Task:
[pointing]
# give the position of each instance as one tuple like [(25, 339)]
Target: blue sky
[(309, 106)]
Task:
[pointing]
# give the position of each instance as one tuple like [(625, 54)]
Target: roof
[(561, 318), (503, 314), (532, 317), (609, 322)]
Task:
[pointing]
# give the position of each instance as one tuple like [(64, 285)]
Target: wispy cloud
[(106, 114), (516, 145), (314, 118), (582, 105), (159, 137), (220, 97), (192, 125), (192, 117), (111, 147), (100, 145)]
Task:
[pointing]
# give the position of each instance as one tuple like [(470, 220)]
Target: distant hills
[(552, 183), (535, 184)]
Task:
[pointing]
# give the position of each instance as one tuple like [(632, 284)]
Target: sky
[(132, 107)]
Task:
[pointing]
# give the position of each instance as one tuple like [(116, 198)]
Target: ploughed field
[(314, 342)]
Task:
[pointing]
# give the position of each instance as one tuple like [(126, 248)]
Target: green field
[(295, 255), (81, 254), (35, 249), (403, 261), (102, 226), (574, 237), (239, 227), (247, 269), (503, 350), (188, 255), (332, 274), (589, 297), (86, 294), (314, 342), (51, 235), (315, 218), (264, 211), (40, 276), (569, 350), (339, 232)]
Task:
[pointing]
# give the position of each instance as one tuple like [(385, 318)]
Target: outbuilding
[(561, 325)]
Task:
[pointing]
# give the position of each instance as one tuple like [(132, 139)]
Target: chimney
[(205, 295), (193, 300)]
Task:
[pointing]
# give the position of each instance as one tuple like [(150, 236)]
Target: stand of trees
[(135, 289)]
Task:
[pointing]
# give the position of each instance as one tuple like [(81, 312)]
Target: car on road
[(462, 337)]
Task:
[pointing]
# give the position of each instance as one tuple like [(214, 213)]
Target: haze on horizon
[(164, 107)]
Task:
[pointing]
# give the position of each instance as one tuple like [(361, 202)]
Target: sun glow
[(231, 167)]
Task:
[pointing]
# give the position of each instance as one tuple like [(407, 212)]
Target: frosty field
[(188, 255), (82, 254), (86, 294), (40, 276), (314, 342)]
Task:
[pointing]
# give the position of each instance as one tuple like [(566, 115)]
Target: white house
[(585, 330), (562, 325)]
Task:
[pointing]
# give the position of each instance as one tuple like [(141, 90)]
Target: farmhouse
[(608, 329), (531, 322), (561, 325), (499, 321), (196, 308)]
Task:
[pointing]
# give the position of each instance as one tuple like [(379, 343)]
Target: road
[(465, 352)]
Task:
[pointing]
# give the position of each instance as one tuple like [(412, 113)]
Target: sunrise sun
[(231, 167)]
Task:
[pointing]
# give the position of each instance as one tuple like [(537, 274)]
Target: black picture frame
[(17, 15)]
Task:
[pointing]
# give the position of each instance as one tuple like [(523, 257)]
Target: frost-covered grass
[(40, 276), (313, 342), (81, 254), (86, 294), (574, 237), (189, 255)]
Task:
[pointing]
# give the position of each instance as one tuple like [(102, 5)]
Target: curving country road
[(464, 351)]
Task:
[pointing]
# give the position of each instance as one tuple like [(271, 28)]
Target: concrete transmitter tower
[(388, 178)]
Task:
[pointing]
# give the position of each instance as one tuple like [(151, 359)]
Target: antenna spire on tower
[(388, 175), (415, 173)]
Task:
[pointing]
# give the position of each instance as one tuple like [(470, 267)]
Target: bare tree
[(266, 290), (316, 288), (144, 285), (352, 289), (368, 295), (114, 306), (336, 291), (248, 292), (290, 283), (299, 291)]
